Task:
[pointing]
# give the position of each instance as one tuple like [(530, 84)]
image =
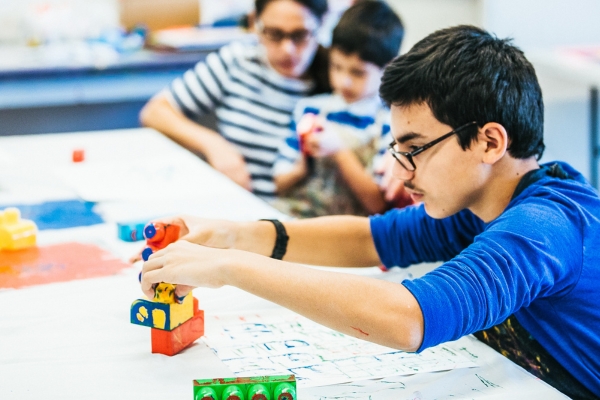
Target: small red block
[(78, 155), (172, 342)]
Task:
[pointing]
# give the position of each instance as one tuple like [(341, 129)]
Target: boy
[(519, 241), (327, 165)]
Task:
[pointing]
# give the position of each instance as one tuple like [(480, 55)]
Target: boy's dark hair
[(317, 7), (370, 29), (465, 74)]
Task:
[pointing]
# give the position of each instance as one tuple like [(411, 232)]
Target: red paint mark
[(360, 330), (57, 263)]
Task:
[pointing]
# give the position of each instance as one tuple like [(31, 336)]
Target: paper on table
[(282, 342)]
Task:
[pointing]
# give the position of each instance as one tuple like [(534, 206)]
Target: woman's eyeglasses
[(299, 36)]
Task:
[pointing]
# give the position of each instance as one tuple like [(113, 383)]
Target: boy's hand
[(208, 232), (324, 144), (186, 265)]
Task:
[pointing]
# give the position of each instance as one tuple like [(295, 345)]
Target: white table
[(73, 340)]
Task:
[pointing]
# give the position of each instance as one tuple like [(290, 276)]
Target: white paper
[(282, 342)]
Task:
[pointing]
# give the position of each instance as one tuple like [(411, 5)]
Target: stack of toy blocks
[(175, 323), (173, 326), (16, 233), (279, 387)]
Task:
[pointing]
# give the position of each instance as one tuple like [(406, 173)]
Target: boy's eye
[(357, 73)]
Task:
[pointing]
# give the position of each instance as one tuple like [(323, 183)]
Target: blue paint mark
[(59, 214)]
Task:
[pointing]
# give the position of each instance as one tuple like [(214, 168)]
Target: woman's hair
[(466, 74), (317, 7)]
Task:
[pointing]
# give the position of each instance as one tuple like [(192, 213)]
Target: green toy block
[(278, 387)]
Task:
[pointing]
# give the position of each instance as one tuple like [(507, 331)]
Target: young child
[(327, 166)]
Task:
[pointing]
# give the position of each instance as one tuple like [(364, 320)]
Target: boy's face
[(351, 77), (447, 179)]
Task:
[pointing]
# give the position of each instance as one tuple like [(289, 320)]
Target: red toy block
[(158, 236), (172, 342), (78, 155)]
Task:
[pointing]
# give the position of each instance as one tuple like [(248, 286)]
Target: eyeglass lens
[(299, 36), (402, 159)]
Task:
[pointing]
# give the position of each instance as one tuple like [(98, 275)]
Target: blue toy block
[(131, 231)]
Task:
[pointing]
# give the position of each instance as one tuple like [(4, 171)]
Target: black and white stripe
[(253, 105)]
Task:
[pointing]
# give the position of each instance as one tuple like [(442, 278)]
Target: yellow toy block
[(161, 315), (16, 233), (165, 293)]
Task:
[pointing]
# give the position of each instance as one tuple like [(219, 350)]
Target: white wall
[(538, 24), (422, 17)]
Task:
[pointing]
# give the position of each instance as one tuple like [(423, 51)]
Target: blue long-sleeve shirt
[(539, 260)]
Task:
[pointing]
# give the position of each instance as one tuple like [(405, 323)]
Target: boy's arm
[(360, 181), (329, 241), (370, 309), (286, 180)]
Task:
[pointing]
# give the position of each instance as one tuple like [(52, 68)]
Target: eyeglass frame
[(288, 35), (409, 155)]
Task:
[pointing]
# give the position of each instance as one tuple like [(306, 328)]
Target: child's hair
[(370, 29), (317, 7), (465, 74)]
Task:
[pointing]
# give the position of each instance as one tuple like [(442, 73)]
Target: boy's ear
[(494, 141)]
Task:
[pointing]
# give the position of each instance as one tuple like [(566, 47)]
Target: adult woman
[(252, 90)]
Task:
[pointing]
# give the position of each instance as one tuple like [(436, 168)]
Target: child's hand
[(324, 144)]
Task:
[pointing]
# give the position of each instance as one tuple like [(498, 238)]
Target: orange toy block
[(16, 233), (158, 236), (172, 342)]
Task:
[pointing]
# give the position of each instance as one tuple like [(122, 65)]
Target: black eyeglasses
[(406, 158), (299, 37)]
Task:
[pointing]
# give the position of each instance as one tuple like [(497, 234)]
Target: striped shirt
[(252, 103)]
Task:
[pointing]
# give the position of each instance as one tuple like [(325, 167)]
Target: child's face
[(351, 77)]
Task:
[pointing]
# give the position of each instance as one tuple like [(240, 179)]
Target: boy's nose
[(398, 171)]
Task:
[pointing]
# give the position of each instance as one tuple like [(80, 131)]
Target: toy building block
[(16, 233), (131, 231), (78, 155), (165, 293), (308, 124), (173, 326), (158, 236), (277, 387), (172, 342), (161, 315)]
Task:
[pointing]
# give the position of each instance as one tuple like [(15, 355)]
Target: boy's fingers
[(150, 278), (182, 290)]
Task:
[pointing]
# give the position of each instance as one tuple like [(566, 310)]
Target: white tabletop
[(73, 340)]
